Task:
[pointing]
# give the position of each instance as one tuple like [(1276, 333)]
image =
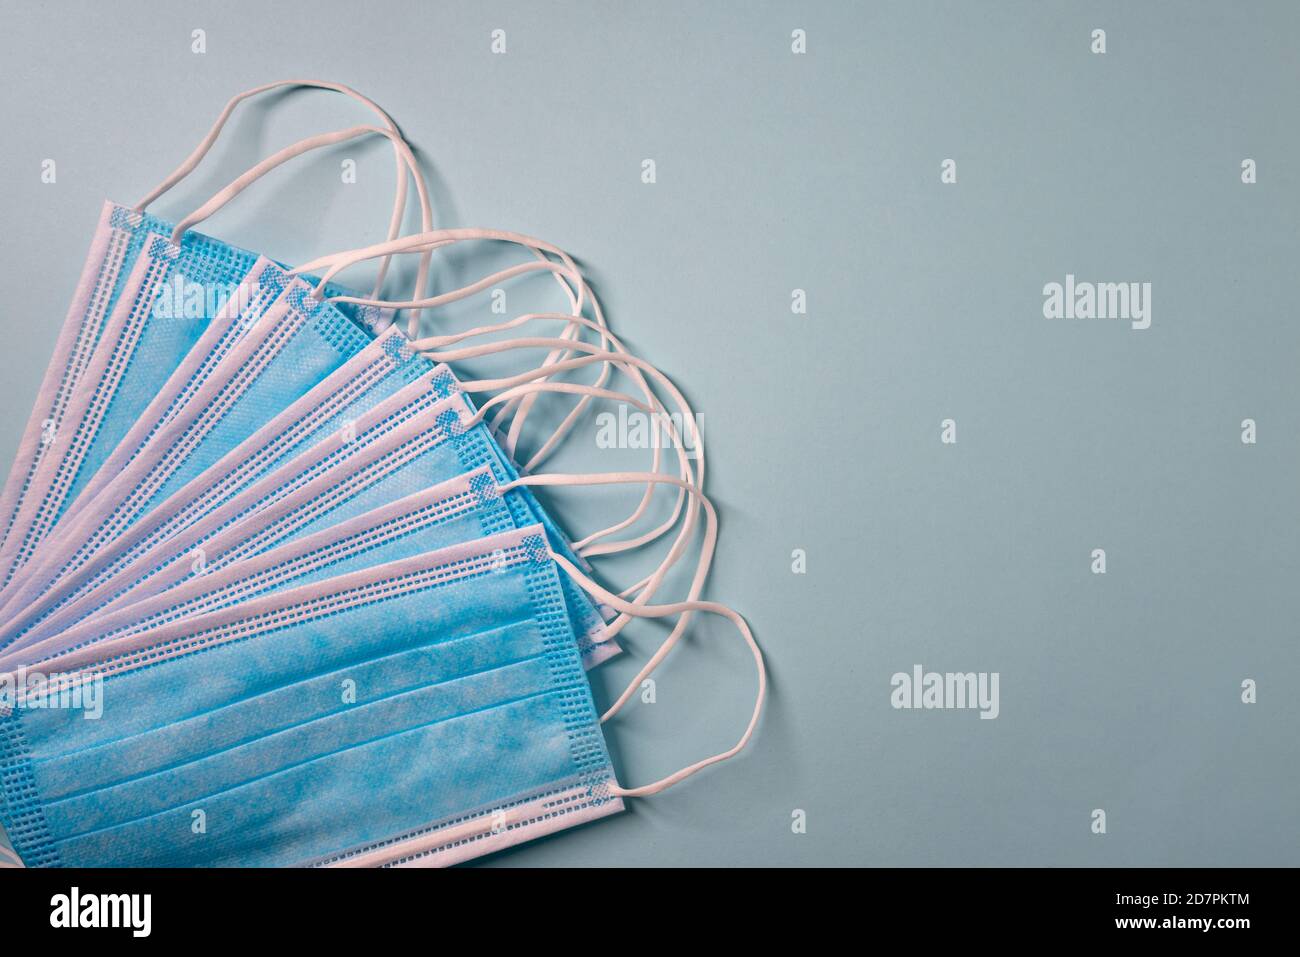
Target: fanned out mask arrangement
[(273, 589)]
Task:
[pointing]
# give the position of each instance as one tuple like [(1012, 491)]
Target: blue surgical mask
[(133, 512), (431, 708), (467, 507), (390, 454), (371, 377), (261, 289)]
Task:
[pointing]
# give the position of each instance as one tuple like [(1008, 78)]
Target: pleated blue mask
[(292, 343), (118, 345), (467, 507), (413, 440), (428, 710), (119, 360), (373, 375)]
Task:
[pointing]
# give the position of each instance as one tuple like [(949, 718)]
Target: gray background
[(821, 172)]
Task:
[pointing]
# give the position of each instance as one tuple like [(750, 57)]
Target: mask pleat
[(452, 677)]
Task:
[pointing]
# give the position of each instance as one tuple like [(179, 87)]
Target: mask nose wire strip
[(242, 182), (403, 165)]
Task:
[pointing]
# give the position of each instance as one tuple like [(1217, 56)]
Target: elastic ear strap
[(251, 176), (419, 242), (577, 302), (278, 159), (684, 608), (662, 611), (614, 354), (425, 243), (439, 238), (404, 163), (571, 331), (626, 362), (519, 384), (651, 584), (206, 144), (573, 327), (433, 301), (574, 323), (559, 270)]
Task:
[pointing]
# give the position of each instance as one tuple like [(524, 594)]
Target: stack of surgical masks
[(273, 589)]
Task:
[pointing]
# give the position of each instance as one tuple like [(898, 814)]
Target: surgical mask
[(433, 848), (280, 356), (365, 381), (392, 453), (234, 396), (467, 507), (256, 379), (422, 712), (434, 708)]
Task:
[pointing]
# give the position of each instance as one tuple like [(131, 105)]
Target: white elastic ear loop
[(544, 265), (399, 204), (663, 611), (428, 346), (685, 471), (539, 248), (561, 347), (571, 331), (419, 242), (578, 389), (659, 611), (307, 145), (577, 300), (573, 323), (626, 363), (620, 360), (436, 239), (708, 548)]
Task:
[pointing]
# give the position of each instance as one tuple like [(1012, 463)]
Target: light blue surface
[(822, 172)]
